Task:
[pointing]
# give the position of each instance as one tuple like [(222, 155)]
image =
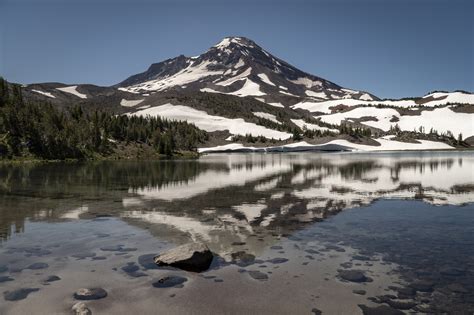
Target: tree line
[(40, 130)]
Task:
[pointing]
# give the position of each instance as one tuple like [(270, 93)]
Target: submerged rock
[(242, 258), (169, 282), (83, 255), (5, 279), (277, 260), (422, 285), (37, 266), (51, 279), (18, 294), (257, 275), (353, 276), (90, 294), (80, 308), (132, 270), (379, 310), (147, 261), (194, 257), (401, 305)]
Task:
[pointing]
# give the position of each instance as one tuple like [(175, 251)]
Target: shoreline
[(199, 155)]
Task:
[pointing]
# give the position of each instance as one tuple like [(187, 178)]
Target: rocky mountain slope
[(238, 66)]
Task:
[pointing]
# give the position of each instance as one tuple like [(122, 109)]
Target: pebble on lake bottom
[(90, 294), (80, 308), (18, 294), (169, 282)]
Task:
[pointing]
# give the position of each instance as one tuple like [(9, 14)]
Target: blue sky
[(390, 48)]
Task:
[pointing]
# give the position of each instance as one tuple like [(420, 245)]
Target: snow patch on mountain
[(454, 97), (382, 116), (241, 76), (306, 82), (209, 90), (277, 105), (440, 119), (366, 97), (301, 123), (439, 100), (286, 93), (317, 106), (72, 90), (189, 74), (211, 123), (349, 91), (239, 64), (268, 116), (48, 94), (130, 103), (250, 88), (265, 79), (323, 107), (316, 94)]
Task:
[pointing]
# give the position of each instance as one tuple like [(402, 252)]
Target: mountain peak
[(238, 66), (236, 40)]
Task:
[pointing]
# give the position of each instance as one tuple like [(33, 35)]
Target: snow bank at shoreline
[(334, 145)]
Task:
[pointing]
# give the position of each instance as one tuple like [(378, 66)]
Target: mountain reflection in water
[(403, 228), (229, 196)]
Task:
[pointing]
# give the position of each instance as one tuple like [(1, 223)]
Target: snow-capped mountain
[(238, 66), (237, 88)]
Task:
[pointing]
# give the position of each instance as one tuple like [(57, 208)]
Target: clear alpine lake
[(291, 233)]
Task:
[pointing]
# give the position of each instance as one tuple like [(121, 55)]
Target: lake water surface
[(341, 233)]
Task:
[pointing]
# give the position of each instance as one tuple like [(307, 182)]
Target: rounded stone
[(90, 294), (80, 308)]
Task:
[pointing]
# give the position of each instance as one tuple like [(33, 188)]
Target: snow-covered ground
[(243, 75), (130, 103), (366, 99), (325, 106), (383, 116), (316, 94), (441, 119), (277, 105), (306, 81), (209, 90), (268, 116), (72, 90), (44, 93), (453, 97), (250, 88), (189, 74), (385, 145), (265, 79), (211, 123), (301, 123)]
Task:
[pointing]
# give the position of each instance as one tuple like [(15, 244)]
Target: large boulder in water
[(194, 257)]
